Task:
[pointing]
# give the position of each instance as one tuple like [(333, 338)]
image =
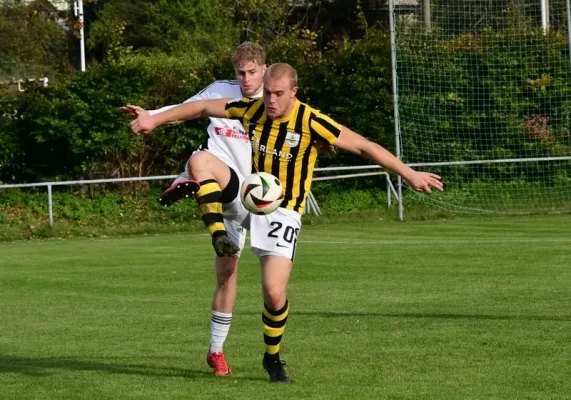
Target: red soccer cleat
[(217, 362), (179, 190)]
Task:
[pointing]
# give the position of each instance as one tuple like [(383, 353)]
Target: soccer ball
[(261, 193)]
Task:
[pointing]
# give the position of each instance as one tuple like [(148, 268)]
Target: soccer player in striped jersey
[(284, 133), (212, 175)]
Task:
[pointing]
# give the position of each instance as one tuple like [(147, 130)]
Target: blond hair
[(278, 70), (248, 52)]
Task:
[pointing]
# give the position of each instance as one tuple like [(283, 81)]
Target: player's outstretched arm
[(146, 123), (355, 143)]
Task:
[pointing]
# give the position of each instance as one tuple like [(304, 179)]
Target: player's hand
[(132, 111), (144, 123), (424, 181)]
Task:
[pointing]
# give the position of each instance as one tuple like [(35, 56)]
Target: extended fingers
[(428, 181), (437, 183), (127, 111)]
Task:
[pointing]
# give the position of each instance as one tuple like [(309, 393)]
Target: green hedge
[(450, 112), (75, 130)]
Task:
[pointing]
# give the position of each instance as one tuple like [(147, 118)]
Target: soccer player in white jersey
[(213, 175)]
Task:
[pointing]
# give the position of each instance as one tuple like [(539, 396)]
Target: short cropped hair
[(248, 52), (277, 70)]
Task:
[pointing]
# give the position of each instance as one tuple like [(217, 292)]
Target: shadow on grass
[(349, 314), (45, 366)]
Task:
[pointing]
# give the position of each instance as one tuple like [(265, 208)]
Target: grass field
[(461, 309)]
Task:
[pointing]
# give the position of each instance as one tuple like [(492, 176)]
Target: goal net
[(484, 99)]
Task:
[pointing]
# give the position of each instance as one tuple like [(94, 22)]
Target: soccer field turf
[(460, 309)]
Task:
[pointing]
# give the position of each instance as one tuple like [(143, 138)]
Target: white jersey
[(227, 138)]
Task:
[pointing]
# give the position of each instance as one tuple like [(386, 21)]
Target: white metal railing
[(312, 205)]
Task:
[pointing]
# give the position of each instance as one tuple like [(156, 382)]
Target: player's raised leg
[(213, 176)]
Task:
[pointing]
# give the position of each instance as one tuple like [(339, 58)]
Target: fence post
[(427, 23), (389, 193), (50, 210), (545, 15), (569, 29), (396, 98)]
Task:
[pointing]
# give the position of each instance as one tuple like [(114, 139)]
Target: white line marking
[(439, 241), (432, 241)]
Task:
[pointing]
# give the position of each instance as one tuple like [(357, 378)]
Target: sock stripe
[(222, 321), (277, 312), (217, 227), (272, 323), (211, 208), (272, 341), (274, 327), (275, 317), (213, 197), (212, 218)]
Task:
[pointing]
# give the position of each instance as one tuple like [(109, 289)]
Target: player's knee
[(274, 297), (226, 271), (198, 162)]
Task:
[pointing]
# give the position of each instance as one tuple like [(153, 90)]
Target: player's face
[(279, 97), (250, 76)]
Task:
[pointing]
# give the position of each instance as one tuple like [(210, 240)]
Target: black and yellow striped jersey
[(285, 147)]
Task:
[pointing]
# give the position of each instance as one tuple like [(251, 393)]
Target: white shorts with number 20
[(275, 234)]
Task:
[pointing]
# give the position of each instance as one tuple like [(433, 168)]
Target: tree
[(195, 28), (33, 41)]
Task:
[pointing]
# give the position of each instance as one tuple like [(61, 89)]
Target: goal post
[(483, 98)]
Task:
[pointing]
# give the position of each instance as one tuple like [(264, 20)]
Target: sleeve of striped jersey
[(236, 108), (324, 128)]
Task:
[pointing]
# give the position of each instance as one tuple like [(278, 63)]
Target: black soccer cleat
[(223, 245), (275, 368), (177, 191)]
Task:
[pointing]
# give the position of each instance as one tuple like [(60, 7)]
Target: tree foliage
[(33, 40), (158, 52)]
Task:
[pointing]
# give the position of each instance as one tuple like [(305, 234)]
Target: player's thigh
[(203, 165), (275, 234)]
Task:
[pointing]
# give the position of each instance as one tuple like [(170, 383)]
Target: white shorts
[(235, 220), (275, 234)]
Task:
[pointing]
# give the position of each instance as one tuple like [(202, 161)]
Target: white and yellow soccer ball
[(261, 193)]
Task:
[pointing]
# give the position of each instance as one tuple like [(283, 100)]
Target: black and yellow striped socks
[(208, 198), (274, 327)]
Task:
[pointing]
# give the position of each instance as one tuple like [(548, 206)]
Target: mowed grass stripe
[(466, 309)]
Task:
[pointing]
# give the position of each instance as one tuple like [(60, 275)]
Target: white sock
[(219, 327)]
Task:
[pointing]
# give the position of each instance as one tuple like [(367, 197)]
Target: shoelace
[(219, 361)]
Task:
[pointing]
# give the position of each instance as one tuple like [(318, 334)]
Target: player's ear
[(264, 68), (294, 91)]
